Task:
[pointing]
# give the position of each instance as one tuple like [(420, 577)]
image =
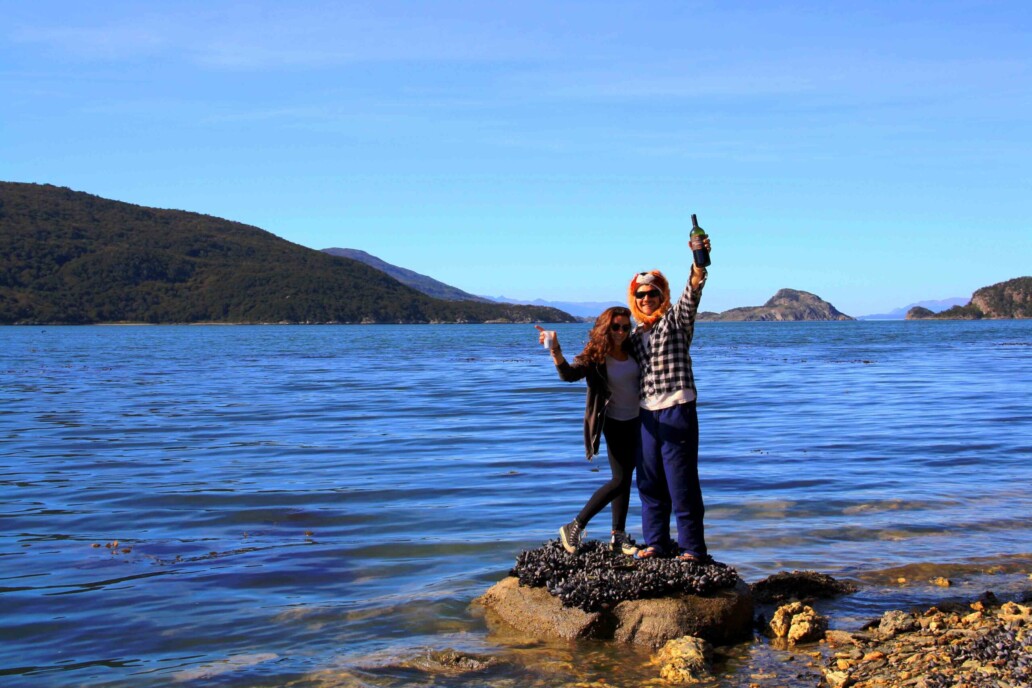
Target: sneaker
[(622, 543), (571, 535)]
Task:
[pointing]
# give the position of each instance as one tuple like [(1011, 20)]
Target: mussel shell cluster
[(1005, 649), (799, 585), (595, 578)]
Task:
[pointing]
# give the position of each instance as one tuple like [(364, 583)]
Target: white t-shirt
[(623, 385)]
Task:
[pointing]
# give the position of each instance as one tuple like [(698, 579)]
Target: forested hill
[(1010, 299), (71, 257)]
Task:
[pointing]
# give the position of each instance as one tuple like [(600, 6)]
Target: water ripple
[(287, 498)]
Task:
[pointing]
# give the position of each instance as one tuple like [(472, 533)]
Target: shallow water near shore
[(317, 506)]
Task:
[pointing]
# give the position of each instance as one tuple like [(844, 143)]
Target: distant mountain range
[(410, 278), (74, 258), (935, 306), (588, 310), (440, 290)]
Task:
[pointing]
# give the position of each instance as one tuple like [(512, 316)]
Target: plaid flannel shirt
[(666, 365)]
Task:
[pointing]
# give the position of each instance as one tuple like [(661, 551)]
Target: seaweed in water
[(595, 578)]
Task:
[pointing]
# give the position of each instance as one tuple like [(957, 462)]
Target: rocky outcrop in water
[(721, 618), (982, 645), (786, 305), (1010, 299), (919, 313), (799, 586), (597, 594), (596, 579)]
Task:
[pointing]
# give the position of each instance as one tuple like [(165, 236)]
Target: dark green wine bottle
[(701, 255)]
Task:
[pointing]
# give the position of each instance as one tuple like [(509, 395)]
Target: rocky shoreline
[(985, 643), (793, 629), (982, 643)]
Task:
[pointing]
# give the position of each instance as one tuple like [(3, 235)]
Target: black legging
[(623, 444)]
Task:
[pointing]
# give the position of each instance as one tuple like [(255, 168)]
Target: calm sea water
[(315, 506)]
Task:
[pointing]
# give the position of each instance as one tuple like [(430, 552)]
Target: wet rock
[(1013, 612), (424, 666), (802, 586), (980, 647), (451, 662), (986, 599), (721, 617), (684, 660), (840, 639), (895, 622), (798, 623), (837, 679), (535, 612)]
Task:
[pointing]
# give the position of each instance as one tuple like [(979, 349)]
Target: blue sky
[(875, 153)]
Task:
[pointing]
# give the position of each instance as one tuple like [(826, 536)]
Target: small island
[(785, 306)]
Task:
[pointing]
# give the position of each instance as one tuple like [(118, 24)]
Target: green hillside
[(1004, 300), (70, 257)]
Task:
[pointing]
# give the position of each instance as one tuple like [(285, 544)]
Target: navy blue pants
[(668, 479)]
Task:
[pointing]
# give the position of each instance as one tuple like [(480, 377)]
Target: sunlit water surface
[(316, 506)]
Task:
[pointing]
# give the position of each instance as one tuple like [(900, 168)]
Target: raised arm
[(567, 372), (683, 312)]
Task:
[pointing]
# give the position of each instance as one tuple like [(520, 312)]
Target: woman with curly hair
[(611, 410)]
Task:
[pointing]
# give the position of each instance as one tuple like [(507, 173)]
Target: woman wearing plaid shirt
[(668, 472)]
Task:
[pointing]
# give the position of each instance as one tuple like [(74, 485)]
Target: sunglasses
[(620, 328), (646, 294)]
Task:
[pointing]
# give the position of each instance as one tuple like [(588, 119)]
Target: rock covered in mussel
[(801, 586), (595, 578), (986, 645)]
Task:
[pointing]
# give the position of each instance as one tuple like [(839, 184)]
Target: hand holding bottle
[(699, 243), (704, 244)]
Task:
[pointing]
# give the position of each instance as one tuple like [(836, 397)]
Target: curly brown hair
[(599, 340)]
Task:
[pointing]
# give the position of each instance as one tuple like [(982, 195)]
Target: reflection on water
[(319, 505)]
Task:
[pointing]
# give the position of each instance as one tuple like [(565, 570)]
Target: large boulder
[(721, 617), (534, 612)]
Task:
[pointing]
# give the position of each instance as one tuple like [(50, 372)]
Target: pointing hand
[(547, 338)]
